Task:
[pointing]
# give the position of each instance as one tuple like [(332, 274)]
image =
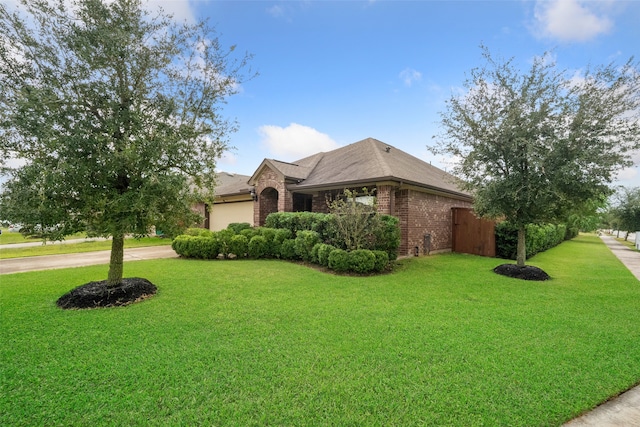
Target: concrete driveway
[(48, 262)]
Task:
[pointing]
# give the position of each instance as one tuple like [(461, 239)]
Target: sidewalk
[(49, 262), (623, 410)]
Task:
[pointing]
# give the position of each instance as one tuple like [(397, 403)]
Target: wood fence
[(472, 235)]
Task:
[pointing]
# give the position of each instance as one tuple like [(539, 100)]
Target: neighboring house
[(233, 202), (419, 194)]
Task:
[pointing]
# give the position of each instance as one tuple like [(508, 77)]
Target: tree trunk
[(116, 262), (522, 248)]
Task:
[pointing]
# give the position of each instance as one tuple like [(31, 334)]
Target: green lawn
[(442, 341), (88, 246), (9, 237)]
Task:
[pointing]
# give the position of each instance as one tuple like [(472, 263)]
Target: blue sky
[(336, 72)]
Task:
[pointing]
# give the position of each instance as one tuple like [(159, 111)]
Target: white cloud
[(181, 10), (294, 141), (276, 11), (627, 174), (409, 76), (571, 20), (228, 158)]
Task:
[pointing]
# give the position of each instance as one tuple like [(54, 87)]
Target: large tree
[(115, 113), (535, 146)]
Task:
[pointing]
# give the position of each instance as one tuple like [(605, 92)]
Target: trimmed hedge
[(297, 221), (339, 260), (305, 241), (323, 254), (381, 262), (239, 246), (538, 238), (288, 249), (361, 261), (386, 237), (302, 244), (258, 247), (237, 227), (196, 246)]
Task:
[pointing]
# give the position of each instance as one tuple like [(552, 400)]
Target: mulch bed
[(97, 294), (527, 272)]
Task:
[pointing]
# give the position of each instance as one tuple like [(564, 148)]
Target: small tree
[(627, 209), (355, 221), (535, 146), (117, 115)]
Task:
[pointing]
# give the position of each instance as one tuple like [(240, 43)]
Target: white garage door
[(224, 214)]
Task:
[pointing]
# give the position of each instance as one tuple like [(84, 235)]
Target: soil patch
[(527, 272), (97, 294)]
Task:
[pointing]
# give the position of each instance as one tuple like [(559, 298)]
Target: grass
[(9, 237), (441, 341), (628, 243), (87, 246)]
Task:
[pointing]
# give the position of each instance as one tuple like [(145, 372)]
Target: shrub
[(354, 223), (387, 236), (249, 232), (224, 238), (239, 245), (258, 247), (378, 232), (339, 260), (288, 249), (362, 261), (209, 248), (269, 235), (297, 221), (323, 253), (281, 235), (198, 232), (314, 253), (196, 247), (237, 227), (305, 241), (179, 244), (382, 261), (538, 238)]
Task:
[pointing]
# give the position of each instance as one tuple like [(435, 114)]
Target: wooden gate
[(472, 235)]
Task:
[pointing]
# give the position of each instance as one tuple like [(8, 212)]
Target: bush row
[(538, 238), (384, 237), (265, 242)]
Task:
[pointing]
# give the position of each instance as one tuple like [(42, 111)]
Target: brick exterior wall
[(265, 205), (386, 199), (423, 213), (319, 203), (419, 213)]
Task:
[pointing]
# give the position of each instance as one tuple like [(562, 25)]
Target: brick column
[(386, 199)]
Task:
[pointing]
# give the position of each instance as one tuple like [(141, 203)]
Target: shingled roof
[(362, 162), (230, 184)]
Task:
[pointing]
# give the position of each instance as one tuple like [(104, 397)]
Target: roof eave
[(375, 181)]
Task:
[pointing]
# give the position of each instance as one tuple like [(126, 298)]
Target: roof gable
[(295, 171), (373, 160), (363, 162)]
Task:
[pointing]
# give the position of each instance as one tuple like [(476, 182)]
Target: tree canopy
[(626, 209), (535, 146), (116, 113)]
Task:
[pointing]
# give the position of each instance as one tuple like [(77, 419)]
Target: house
[(233, 202), (419, 194)]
